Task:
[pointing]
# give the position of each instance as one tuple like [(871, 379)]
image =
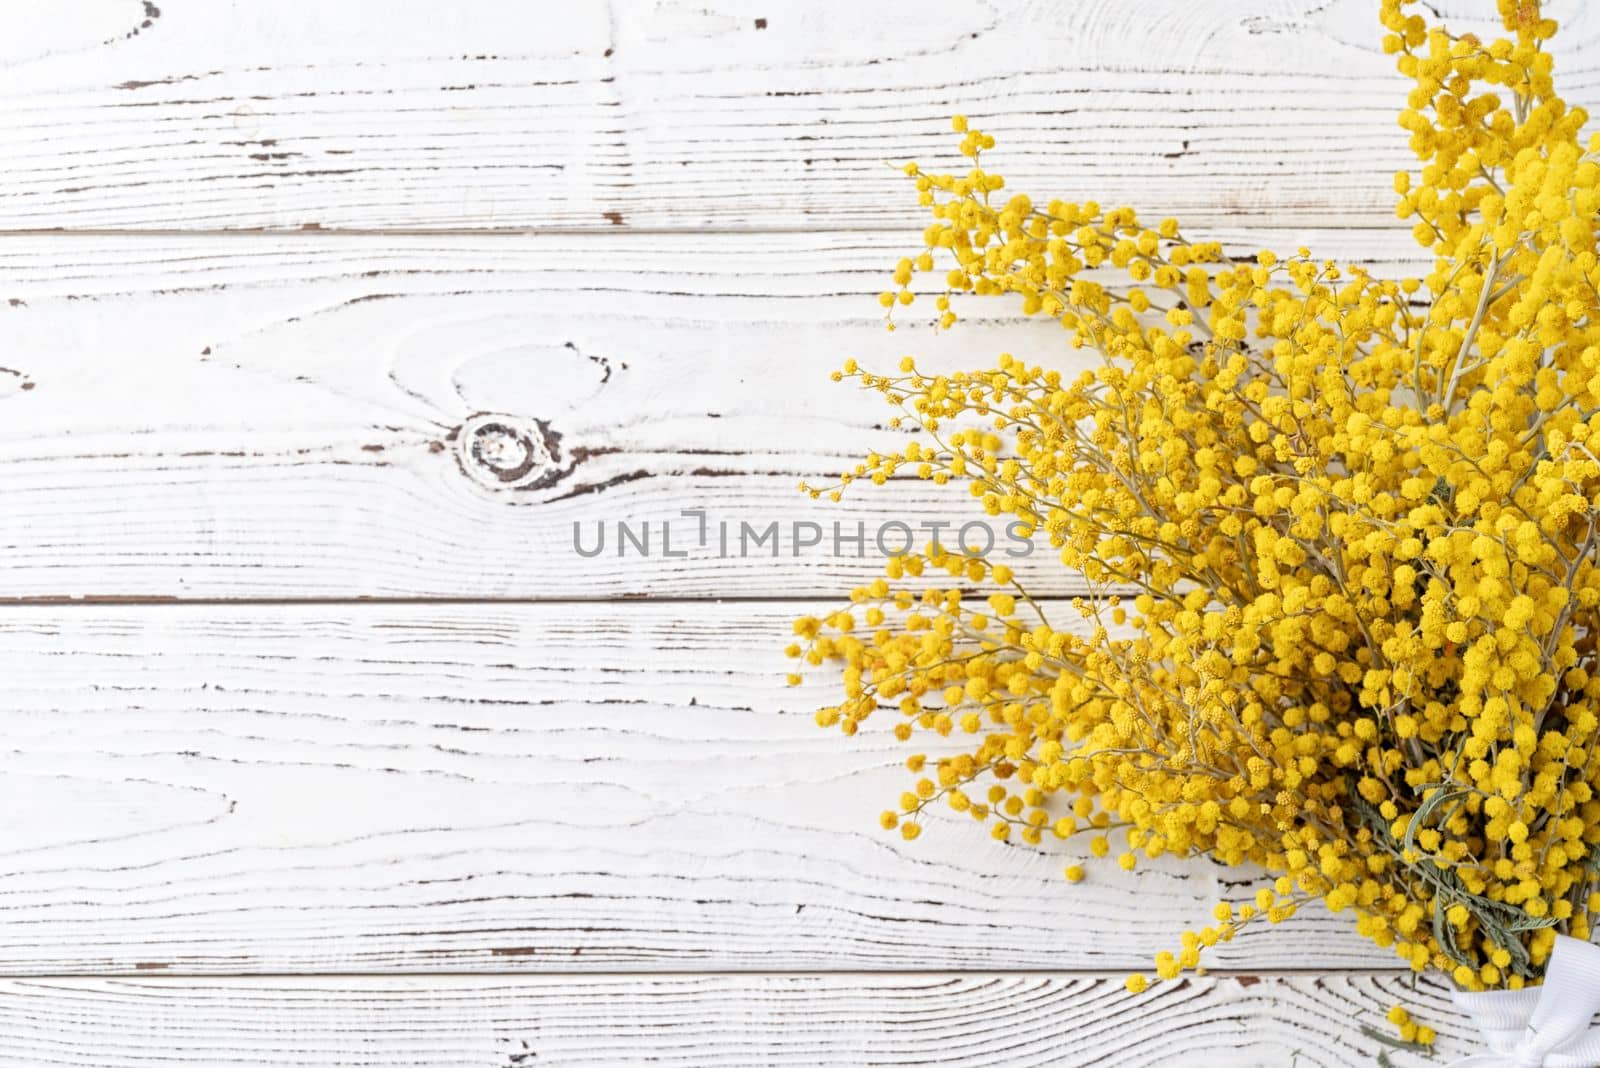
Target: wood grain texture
[(248, 789), (273, 417), (972, 1019), (600, 260), (199, 114)]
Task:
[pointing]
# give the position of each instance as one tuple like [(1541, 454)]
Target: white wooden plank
[(420, 788), (738, 113), (802, 1020), (283, 416)]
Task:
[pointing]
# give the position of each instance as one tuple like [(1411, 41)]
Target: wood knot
[(508, 452)]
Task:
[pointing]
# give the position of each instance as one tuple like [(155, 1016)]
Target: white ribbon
[(1546, 1026)]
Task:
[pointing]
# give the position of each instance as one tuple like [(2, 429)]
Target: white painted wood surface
[(253, 788), (267, 274), (998, 1020), (756, 114), (301, 400)]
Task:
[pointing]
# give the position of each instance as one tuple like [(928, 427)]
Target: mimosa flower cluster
[(1340, 531)]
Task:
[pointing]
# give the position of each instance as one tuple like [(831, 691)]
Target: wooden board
[(994, 1020), (272, 417), (230, 789), (321, 325), (744, 114)]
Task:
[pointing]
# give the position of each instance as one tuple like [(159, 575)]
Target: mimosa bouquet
[(1342, 530)]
